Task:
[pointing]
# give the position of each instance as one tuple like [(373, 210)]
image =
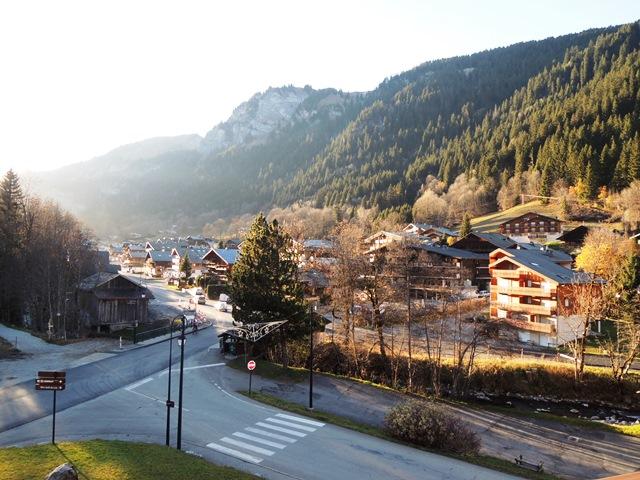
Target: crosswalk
[(266, 437)]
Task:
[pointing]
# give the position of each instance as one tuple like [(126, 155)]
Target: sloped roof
[(314, 278), (497, 239), (160, 255), (451, 252), (542, 264), (528, 214), (575, 235), (228, 255), (427, 226), (196, 254), (552, 254), (318, 243)]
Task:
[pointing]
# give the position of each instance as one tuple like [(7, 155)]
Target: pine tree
[(264, 280), (564, 209), (545, 185), (185, 266), (11, 214), (465, 228)]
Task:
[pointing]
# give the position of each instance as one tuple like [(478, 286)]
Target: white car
[(202, 300), (224, 307)]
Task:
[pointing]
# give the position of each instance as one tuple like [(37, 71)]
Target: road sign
[(170, 403), (251, 365), (51, 380)]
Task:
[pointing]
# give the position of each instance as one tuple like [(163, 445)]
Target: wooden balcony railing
[(523, 307), (531, 326), (529, 291), (505, 273)]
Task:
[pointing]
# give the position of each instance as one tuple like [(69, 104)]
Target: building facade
[(532, 227)]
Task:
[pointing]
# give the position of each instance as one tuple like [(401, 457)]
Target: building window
[(566, 302)]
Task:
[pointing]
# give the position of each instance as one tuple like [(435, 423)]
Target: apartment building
[(535, 295)]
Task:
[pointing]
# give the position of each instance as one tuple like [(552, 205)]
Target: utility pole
[(170, 404), (311, 311)]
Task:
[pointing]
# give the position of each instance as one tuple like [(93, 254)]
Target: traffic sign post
[(251, 365), (52, 381)]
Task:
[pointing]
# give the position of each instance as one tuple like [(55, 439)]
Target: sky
[(79, 78)]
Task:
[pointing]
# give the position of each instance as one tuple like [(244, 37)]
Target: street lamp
[(312, 309), (170, 404), (182, 339)]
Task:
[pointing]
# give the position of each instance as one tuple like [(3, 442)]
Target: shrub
[(428, 425)]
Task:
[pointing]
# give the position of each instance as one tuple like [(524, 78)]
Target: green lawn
[(111, 460)]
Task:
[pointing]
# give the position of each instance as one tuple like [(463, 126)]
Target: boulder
[(66, 471)]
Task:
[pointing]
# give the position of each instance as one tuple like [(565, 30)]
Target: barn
[(111, 301)]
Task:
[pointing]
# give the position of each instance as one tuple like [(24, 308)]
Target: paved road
[(123, 397)]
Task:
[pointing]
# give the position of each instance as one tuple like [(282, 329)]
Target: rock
[(66, 471), (595, 417), (509, 404), (574, 410), (585, 405)]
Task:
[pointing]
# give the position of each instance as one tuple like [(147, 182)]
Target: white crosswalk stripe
[(291, 424), (281, 429), (234, 453), (247, 446), (259, 440), (302, 420), (264, 433)]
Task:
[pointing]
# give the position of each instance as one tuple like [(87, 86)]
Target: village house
[(441, 267), (110, 301), (480, 242), (134, 259), (532, 226), (220, 261), (158, 262), (382, 239), (533, 294), (196, 258), (431, 232), (314, 252), (573, 239)]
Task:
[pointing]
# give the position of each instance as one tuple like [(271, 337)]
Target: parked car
[(224, 307), (483, 294), (202, 300)]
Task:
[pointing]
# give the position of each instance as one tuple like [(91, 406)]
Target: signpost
[(52, 381), (251, 365)]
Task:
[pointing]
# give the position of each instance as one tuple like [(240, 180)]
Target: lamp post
[(181, 341), (169, 402), (311, 311)]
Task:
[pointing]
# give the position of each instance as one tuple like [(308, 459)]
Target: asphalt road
[(123, 397)]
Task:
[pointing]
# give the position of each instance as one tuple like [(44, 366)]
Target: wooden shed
[(110, 301)]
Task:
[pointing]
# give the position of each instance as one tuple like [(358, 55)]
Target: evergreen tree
[(465, 228), (264, 280), (545, 185), (185, 266), (11, 213)]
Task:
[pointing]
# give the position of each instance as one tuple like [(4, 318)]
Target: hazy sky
[(78, 78)]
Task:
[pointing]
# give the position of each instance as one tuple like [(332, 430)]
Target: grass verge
[(270, 370), (481, 460), (108, 460)]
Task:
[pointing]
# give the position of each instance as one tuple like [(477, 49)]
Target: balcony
[(531, 326), (496, 272), (523, 307), (528, 291)]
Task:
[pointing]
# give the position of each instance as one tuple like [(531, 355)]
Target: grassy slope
[(490, 222), (109, 460)]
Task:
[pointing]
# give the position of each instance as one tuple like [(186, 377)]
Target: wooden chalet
[(158, 262), (220, 261), (574, 238), (433, 233), (480, 242), (532, 226), (110, 301)]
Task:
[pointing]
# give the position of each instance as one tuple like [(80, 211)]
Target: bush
[(428, 425), (214, 291)]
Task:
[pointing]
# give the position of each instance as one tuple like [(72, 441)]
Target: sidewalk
[(568, 451)]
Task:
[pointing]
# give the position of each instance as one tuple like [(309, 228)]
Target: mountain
[(568, 106)]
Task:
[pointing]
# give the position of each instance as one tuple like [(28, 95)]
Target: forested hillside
[(566, 107)]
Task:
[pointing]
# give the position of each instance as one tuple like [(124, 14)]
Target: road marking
[(259, 440), (247, 446), (272, 435), (153, 398), (137, 384), (291, 424), (234, 453), (280, 429), (177, 370), (302, 420)]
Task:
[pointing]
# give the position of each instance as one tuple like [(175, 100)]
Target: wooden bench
[(536, 467)]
